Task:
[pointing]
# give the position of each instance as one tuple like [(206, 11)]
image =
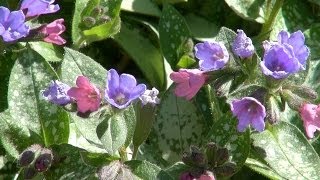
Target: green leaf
[(147, 170), (144, 53), (76, 64), (254, 10), (108, 29), (146, 7), (313, 40), (177, 169), (77, 19), (179, 123), (287, 151), (96, 159), (13, 136), (48, 51), (174, 33), (225, 134), (30, 75), (262, 169), (186, 62), (68, 164)]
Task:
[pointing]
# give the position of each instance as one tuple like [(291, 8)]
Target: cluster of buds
[(13, 24), (120, 92), (35, 159), (97, 16), (207, 164)]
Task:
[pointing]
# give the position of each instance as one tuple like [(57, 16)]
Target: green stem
[(78, 44), (135, 152), (267, 26), (123, 154)]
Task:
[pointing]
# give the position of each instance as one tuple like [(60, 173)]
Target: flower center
[(218, 55), (120, 99)]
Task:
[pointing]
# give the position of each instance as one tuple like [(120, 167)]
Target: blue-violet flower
[(57, 93), (212, 55), (12, 25), (38, 7), (297, 41), (279, 61), (122, 90), (242, 45), (249, 110)]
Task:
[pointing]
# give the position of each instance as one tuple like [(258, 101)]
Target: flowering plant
[(166, 89)]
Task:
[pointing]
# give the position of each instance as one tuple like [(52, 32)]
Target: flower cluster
[(287, 56), (13, 24), (120, 92)]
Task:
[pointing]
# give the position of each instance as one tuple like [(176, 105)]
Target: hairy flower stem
[(135, 152), (123, 154), (267, 26)]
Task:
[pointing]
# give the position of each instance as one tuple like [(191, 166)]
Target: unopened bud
[(104, 19), (194, 157), (304, 92), (97, 11), (226, 170), (29, 173), (222, 155), (89, 21), (207, 175), (28, 155), (44, 161), (294, 101), (211, 152), (273, 110)]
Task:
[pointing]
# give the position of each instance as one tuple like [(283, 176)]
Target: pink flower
[(52, 32), (189, 82), (207, 175), (86, 94), (310, 115)]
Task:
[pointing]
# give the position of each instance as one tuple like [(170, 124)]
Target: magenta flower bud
[(242, 46), (28, 155), (44, 161), (189, 82), (52, 32), (212, 55), (122, 90), (249, 110), (57, 93), (86, 94), (12, 25), (38, 7), (310, 115)]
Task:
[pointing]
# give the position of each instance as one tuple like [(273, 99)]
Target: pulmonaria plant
[(310, 115), (52, 32), (86, 95), (39, 7), (285, 57), (189, 82), (12, 25), (249, 110), (57, 93), (122, 90), (242, 46), (212, 55)]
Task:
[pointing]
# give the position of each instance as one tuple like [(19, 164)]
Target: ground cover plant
[(159, 89)]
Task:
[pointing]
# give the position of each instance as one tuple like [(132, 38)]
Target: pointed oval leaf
[(287, 151)]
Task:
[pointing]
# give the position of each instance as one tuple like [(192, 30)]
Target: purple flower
[(212, 55), (248, 110), (242, 46), (150, 96), (57, 93), (279, 61), (122, 90), (296, 40), (38, 7), (12, 25)]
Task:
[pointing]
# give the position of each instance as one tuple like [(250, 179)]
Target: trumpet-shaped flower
[(53, 31), (242, 46), (57, 93), (189, 82), (12, 25), (249, 110), (122, 90), (86, 94), (38, 7), (212, 55), (310, 115)]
